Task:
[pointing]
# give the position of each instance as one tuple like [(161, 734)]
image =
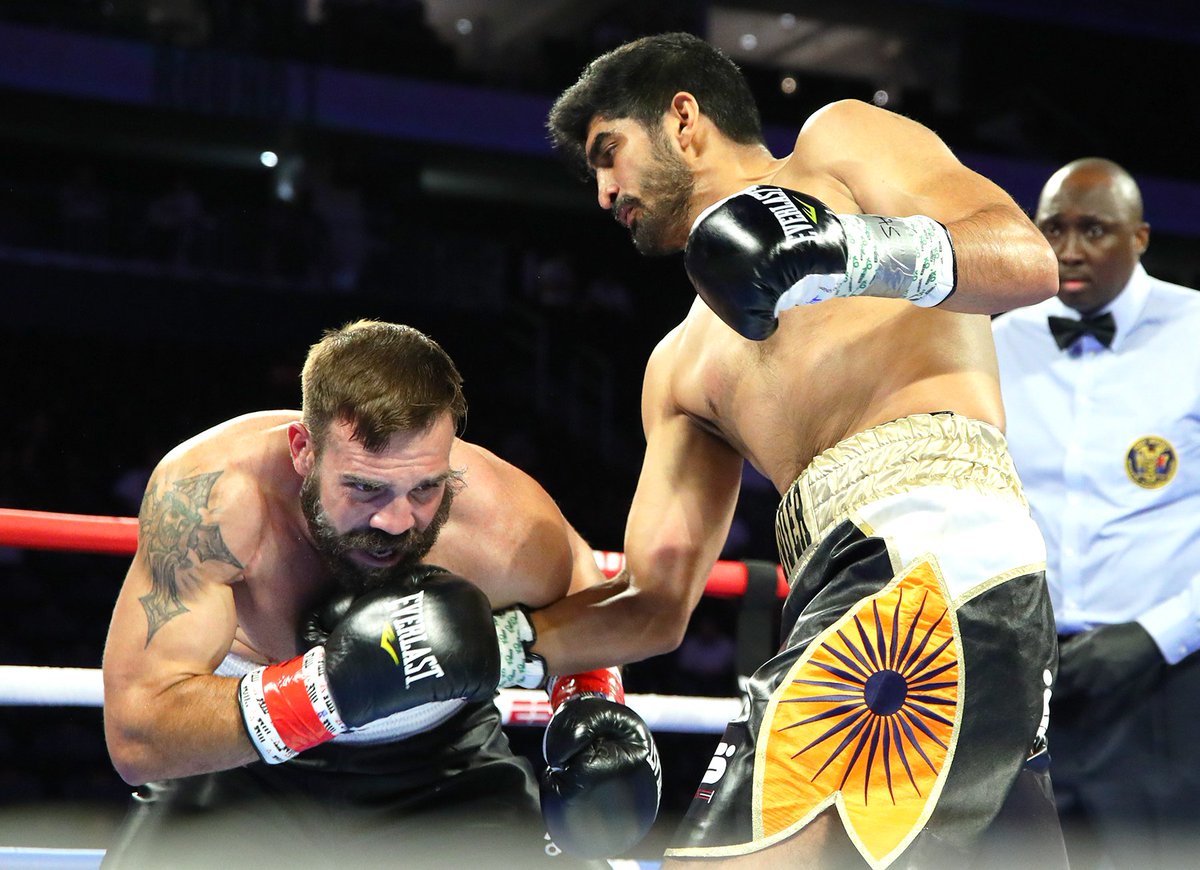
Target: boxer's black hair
[(638, 81)]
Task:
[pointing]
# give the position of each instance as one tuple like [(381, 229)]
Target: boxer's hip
[(938, 483)]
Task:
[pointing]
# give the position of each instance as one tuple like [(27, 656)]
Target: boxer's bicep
[(1001, 259), (677, 523), (682, 509), (174, 618), (915, 173), (681, 512), (686, 493)]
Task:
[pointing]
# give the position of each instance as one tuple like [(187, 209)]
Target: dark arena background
[(192, 190)]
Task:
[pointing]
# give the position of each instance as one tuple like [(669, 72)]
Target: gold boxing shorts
[(918, 648)]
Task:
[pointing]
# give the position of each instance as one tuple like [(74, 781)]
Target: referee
[(1101, 388)]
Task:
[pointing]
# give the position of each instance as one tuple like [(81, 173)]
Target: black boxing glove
[(766, 249), (316, 627), (397, 647), (601, 788), (519, 666)]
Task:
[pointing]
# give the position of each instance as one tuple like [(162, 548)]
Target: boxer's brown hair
[(381, 378)]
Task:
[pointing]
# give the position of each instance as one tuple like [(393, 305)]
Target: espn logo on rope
[(403, 638), (529, 711), (796, 219)]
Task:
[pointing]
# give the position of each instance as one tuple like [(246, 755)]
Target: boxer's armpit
[(175, 539)]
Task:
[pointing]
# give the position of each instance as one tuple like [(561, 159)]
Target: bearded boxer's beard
[(334, 547), (667, 189)]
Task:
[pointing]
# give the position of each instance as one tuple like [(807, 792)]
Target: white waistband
[(896, 457)]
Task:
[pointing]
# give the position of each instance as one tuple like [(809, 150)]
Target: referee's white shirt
[(1107, 444)]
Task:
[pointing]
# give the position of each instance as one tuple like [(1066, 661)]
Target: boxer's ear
[(302, 447), (682, 118)]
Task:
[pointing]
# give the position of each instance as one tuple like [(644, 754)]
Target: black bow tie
[(1067, 330)]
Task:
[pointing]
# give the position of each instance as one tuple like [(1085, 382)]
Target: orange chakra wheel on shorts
[(867, 716)]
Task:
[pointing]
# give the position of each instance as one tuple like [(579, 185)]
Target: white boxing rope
[(42, 686), (38, 858), (83, 687), (680, 714)]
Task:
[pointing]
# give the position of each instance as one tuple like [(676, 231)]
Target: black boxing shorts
[(453, 794), (911, 691)]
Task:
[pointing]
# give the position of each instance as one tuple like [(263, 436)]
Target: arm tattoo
[(170, 528)]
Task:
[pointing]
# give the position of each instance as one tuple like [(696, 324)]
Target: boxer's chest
[(780, 401), (278, 594)]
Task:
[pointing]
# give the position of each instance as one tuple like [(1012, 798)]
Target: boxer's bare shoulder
[(216, 494), (504, 531)]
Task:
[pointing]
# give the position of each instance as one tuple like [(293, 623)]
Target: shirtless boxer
[(262, 734), (901, 722)]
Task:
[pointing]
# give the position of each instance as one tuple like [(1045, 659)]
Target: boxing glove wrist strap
[(604, 682), (896, 258), (519, 665), (287, 707)]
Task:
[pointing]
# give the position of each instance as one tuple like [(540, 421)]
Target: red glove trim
[(605, 682), (287, 707)]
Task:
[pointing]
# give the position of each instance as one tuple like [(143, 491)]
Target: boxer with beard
[(264, 728), (838, 343), (334, 546)]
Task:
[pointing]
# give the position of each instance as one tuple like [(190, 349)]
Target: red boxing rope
[(40, 530)]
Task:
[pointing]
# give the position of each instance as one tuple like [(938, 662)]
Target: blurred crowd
[(390, 37)]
